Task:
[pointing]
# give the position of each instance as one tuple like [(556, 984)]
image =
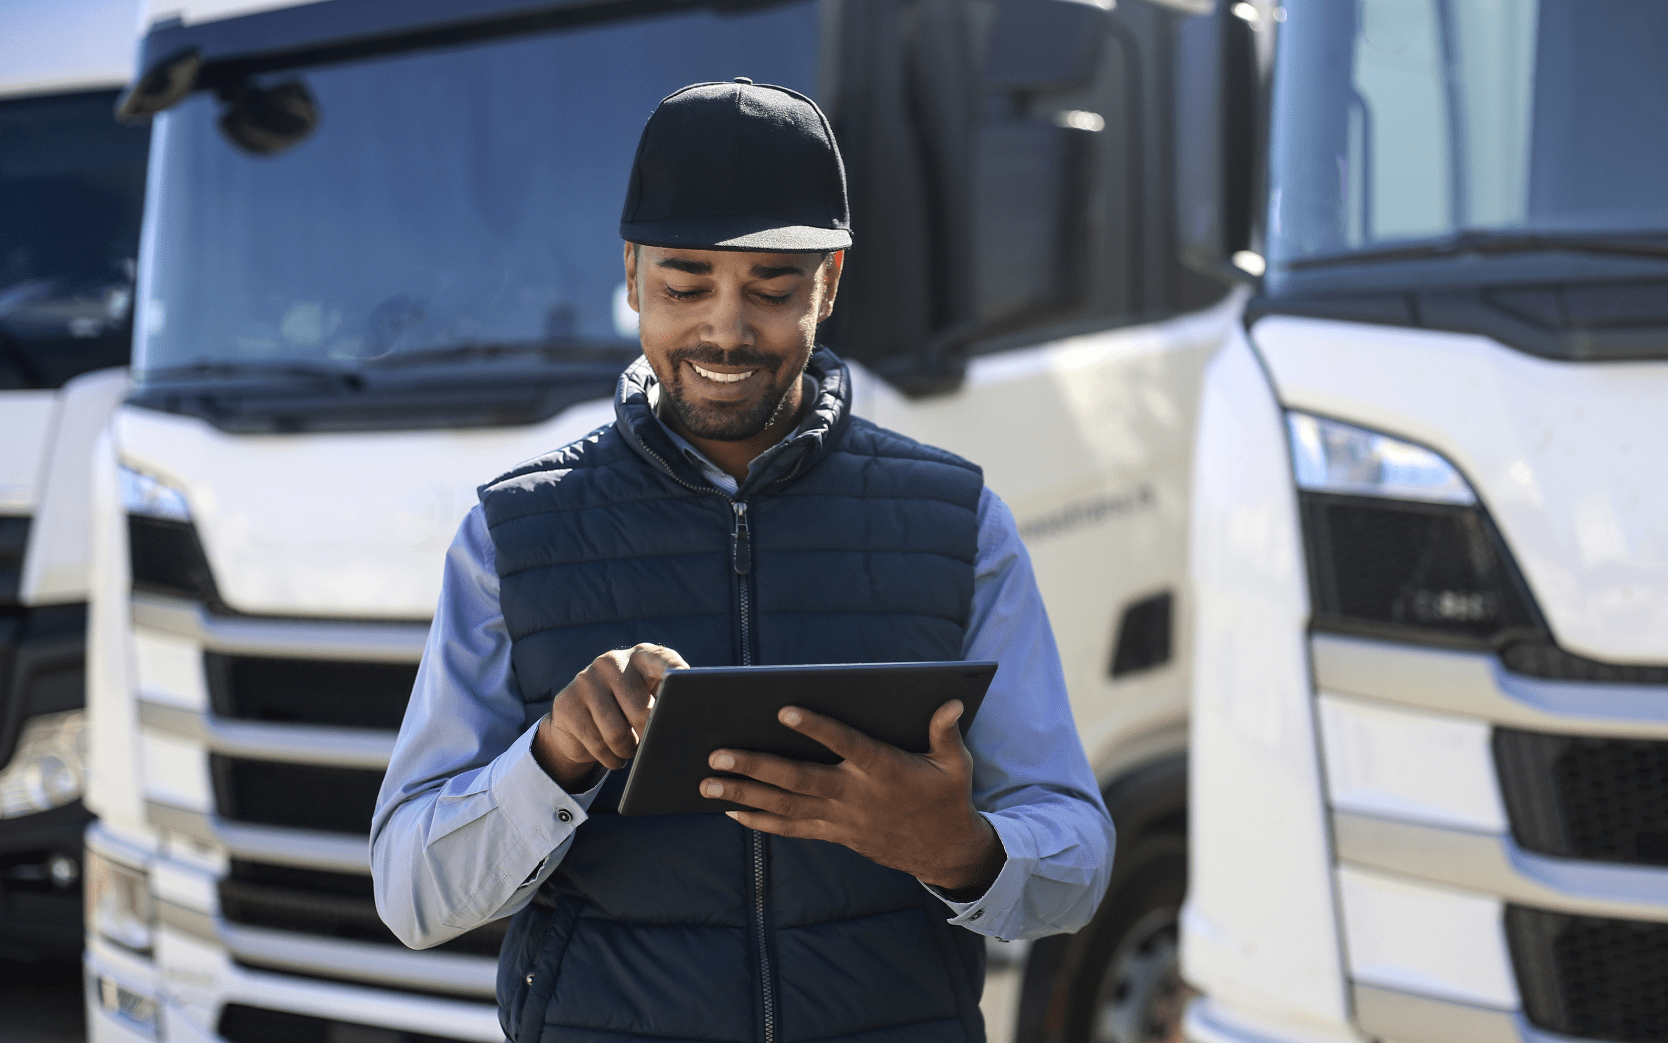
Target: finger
[(607, 717), (764, 798), (645, 668), (816, 780), (764, 822), (944, 733), (584, 730), (846, 742)]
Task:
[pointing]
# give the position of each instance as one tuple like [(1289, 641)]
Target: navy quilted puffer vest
[(846, 543)]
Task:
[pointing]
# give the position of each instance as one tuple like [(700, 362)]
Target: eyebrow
[(685, 265), (775, 271), (758, 271)]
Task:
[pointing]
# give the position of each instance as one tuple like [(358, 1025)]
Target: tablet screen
[(703, 709)]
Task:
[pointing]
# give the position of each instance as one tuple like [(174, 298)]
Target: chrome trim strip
[(361, 961), (1492, 864), (289, 743), (186, 920), (1473, 684), (1407, 1018), (368, 641), (291, 847)]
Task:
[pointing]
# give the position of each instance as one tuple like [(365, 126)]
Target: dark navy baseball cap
[(737, 166)]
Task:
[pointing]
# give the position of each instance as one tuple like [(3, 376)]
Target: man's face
[(728, 332)]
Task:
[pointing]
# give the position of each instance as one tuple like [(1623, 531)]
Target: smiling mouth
[(722, 378)]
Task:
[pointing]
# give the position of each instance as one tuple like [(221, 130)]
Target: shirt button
[(529, 979), (565, 815), (976, 914)]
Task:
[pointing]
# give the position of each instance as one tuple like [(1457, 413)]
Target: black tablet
[(703, 709)]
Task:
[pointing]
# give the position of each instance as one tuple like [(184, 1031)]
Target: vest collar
[(821, 428)]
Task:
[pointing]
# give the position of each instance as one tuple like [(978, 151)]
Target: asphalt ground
[(41, 1003)]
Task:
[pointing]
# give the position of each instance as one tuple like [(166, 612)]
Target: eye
[(773, 299), (682, 295)]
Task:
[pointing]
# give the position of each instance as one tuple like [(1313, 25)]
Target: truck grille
[(1544, 659), (333, 905), (1591, 977), (303, 796), (241, 1024), (309, 691), (1577, 796)]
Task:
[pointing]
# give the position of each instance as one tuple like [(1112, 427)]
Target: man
[(735, 513)]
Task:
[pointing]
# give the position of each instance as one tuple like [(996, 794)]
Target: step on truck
[(380, 265), (1429, 751), (71, 193)]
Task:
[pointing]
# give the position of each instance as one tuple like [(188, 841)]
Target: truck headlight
[(48, 768), (151, 497), (166, 555), (1398, 545), (119, 906)]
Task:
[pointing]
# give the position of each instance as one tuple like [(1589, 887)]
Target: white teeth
[(723, 378)]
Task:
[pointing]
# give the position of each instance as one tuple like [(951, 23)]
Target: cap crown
[(737, 166)]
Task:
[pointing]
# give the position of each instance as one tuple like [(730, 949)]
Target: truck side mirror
[(1218, 104), (268, 120), (1032, 174)]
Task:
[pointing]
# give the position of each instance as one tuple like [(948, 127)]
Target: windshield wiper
[(462, 353), (1493, 243), (289, 371)]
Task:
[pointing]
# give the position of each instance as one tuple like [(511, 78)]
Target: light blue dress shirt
[(467, 825)]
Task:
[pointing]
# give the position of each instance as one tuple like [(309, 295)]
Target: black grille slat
[(1589, 976), (1540, 659), (1578, 796), (302, 796), (244, 1024), (167, 558), (309, 691), (332, 905)]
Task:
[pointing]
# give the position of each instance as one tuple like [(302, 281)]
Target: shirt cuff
[(545, 813), (998, 907)]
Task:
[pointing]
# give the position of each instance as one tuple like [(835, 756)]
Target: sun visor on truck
[(176, 59)]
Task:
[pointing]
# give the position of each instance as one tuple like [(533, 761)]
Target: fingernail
[(791, 716), (734, 814), (723, 761), (712, 788)]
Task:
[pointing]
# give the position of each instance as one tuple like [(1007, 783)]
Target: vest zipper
[(741, 558)]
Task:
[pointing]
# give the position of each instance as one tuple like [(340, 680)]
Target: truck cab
[(1430, 721), (380, 265), (71, 193)]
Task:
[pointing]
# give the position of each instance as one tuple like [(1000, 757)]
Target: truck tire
[(1127, 985)]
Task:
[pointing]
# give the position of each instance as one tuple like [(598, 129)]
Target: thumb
[(945, 734)]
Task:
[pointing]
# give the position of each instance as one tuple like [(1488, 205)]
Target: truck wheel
[(1128, 987)]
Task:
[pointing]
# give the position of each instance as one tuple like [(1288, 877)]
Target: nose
[(727, 324)]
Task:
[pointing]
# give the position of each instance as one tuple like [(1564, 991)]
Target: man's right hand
[(598, 717)]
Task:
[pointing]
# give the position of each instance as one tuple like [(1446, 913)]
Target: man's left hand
[(912, 812)]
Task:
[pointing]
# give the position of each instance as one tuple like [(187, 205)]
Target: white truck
[(379, 265), (71, 192), (1429, 755)]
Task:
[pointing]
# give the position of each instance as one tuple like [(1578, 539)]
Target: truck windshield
[(455, 208), (72, 183), (1409, 126)]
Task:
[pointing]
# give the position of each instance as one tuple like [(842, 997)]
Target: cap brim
[(734, 233)]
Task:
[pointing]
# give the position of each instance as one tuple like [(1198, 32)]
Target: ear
[(631, 276), (830, 276)]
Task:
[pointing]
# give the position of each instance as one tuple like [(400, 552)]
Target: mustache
[(713, 355)]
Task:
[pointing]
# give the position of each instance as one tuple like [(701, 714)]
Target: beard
[(729, 421)]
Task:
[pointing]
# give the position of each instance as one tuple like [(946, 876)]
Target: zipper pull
[(741, 547)]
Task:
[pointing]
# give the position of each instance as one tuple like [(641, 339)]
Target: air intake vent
[(1411, 571), (1591, 977), (303, 796), (14, 540), (1144, 635), (1604, 800), (333, 905), (168, 559), (241, 1024), (309, 691)]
